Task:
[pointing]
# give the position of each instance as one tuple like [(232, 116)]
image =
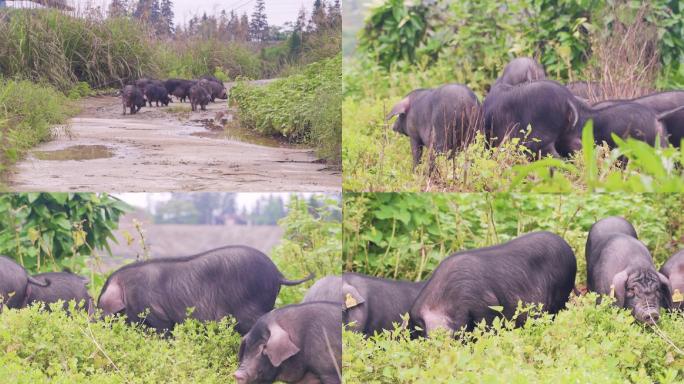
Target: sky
[(277, 11)]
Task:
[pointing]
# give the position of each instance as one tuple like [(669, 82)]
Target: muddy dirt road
[(166, 149)]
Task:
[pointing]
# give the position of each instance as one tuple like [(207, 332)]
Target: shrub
[(407, 235), (303, 107), (27, 111), (586, 343), (42, 347)]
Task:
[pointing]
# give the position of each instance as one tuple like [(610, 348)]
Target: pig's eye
[(630, 291)]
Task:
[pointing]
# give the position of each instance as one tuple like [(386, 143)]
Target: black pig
[(466, 287), (673, 269), (157, 93), (15, 284), (63, 286), (215, 89), (235, 280), (371, 304), (662, 102), (132, 98), (299, 343), (621, 265), (199, 96), (179, 88), (521, 70), (546, 106), (441, 119)]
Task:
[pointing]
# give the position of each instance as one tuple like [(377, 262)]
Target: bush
[(42, 347), (56, 229), (587, 343), (303, 107), (27, 111), (407, 235), (311, 243)]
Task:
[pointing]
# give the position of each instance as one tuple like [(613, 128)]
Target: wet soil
[(166, 149)]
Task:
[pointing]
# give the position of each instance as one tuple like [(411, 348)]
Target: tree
[(334, 15), (118, 8), (258, 27), (243, 30), (166, 17), (318, 21)]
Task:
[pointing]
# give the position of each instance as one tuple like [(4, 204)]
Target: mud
[(166, 149)]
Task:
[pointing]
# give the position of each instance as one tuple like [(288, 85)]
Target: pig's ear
[(279, 346), (351, 296), (399, 108), (665, 291), (619, 282)]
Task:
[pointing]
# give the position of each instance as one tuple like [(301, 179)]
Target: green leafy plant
[(303, 107), (55, 230)]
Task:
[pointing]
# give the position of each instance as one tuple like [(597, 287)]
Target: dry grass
[(625, 58)]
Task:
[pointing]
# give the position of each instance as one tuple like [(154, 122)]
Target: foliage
[(195, 208), (27, 111), (587, 343), (42, 347), (292, 107), (407, 235), (395, 32), (464, 33), (311, 243), (55, 230)]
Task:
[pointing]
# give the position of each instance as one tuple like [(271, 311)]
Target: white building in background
[(57, 4)]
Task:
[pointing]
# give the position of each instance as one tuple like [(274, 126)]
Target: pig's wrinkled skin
[(299, 343), (235, 280), (619, 264), (537, 268), (371, 304), (15, 284), (443, 119), (673, 269)]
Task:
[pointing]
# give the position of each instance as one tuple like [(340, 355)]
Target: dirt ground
[(166, 149)]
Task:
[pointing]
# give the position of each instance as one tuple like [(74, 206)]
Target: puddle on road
[(76, 152), (217, 131)]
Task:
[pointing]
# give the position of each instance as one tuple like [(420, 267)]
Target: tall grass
[(27, 110), (46, 45)]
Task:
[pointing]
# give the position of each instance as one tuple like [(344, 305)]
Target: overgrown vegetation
[(42, 347), (27, 111), (406, 235), (304, 107), (587, 343), (624, 46)]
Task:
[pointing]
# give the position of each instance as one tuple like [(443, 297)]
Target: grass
[(27, 111), (587, 343)]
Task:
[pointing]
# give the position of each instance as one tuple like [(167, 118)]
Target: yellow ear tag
[(350, 301), (612, 290), (677, 296)]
